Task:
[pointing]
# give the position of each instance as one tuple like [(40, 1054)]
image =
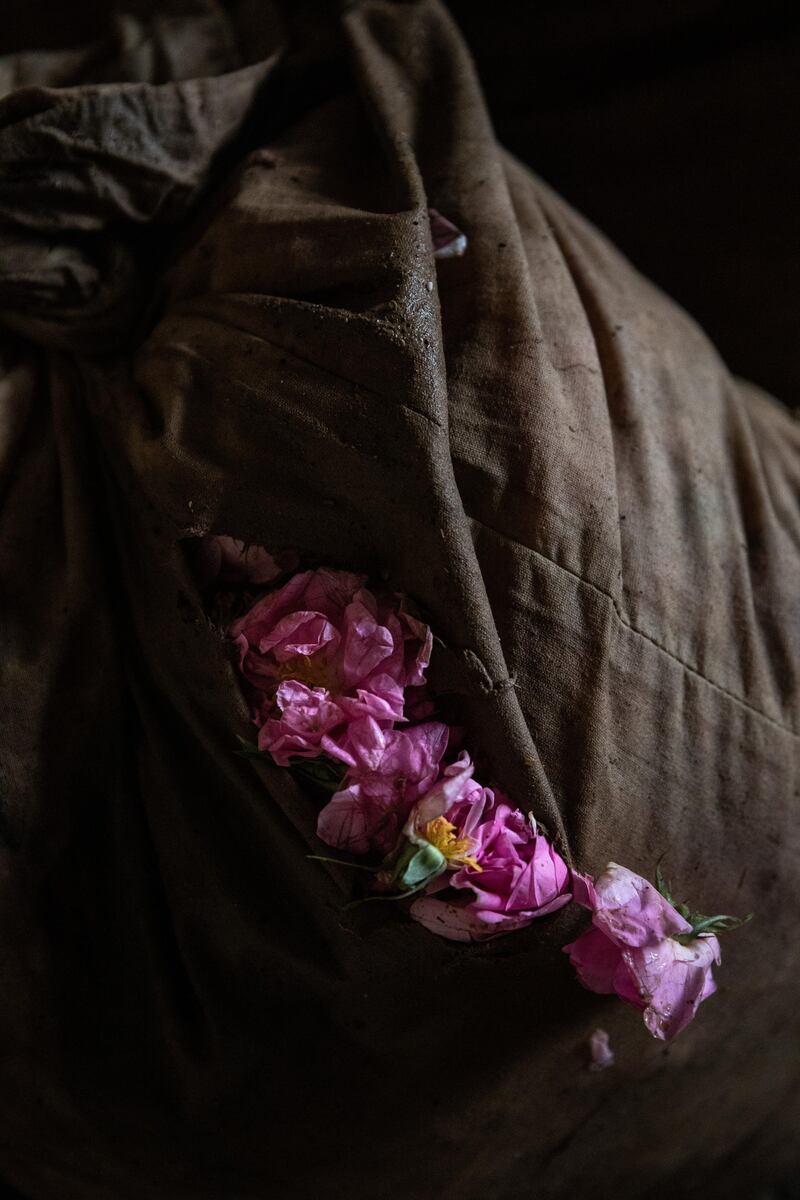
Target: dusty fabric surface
[(222, 313)]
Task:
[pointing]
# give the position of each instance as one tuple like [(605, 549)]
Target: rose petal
[(542, 878), (382, 700), (343, 822), (307, 715), (630, 910), (448, 240), (366, 644), (458, 923), (596, 960), (683, 981), (583, 891), (299, 634), (262, 617), (445, 792), (602, 1056)]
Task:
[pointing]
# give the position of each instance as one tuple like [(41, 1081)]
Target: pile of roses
[(335, 676)]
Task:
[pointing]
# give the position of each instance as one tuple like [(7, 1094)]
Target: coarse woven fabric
[(221, 313)]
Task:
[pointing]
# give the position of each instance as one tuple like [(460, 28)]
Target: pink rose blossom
[(631, 951), (521, 875), (307, 610), (389, 771), (351, 653), (303, 728)]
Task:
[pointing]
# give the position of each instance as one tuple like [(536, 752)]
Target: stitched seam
[(646, 636), (670, 654), (589, 307)]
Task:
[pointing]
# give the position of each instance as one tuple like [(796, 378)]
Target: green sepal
[(416, 865), (705, 925), (663, 887), (323, 772), (700, 924), (248, 749)]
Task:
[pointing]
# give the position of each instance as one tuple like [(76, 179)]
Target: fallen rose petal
[(355, 821), (415, 753), (448, 240), (602, 1056)]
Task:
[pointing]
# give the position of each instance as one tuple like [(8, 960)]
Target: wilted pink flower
[(448, 240), (293, 624), (348, 649), (389, 771), (631, 950), (519, 875), (219, 559), (304, 725)]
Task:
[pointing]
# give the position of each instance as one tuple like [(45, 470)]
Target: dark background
[(674, 127)]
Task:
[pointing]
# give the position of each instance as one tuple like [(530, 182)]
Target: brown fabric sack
[(222, 314)]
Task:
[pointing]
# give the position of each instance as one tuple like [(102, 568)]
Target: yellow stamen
[(442, 834), (311, 670)]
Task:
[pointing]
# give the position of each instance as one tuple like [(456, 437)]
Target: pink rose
[(631, 950), (225, 560), (304, 726), (348, 651), (389, 771), (517, 876), (295, 623)]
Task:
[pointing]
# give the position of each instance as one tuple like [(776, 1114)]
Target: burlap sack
[(222, 314)]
